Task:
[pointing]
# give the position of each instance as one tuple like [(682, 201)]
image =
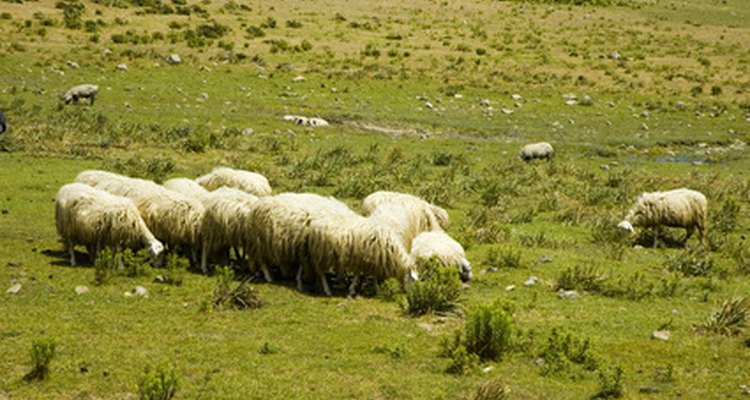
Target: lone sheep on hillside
[(80, 92), (681, 208), (541, 150)]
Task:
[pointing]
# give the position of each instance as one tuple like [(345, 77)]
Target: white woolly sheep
[(280, 225), (96, 219), (186, 186), (250, 182), (226, 222), (81, 92), (371, 202), (174, 218), (407, 219), (357, 246), (541, 150), (305, 121), (447, 251), (682, 208)]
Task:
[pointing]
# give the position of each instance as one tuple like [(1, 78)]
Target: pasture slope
[(433, 98)]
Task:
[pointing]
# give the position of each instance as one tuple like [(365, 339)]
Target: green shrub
[(563, 350), (692, 262), (105, 265), (255, 32), (437, 290), (581, 278), (42, 352), (157, 383), (610, 384), (269, 23), (503, 258), (729, 320), (461, 360), (489, 331), (389, 290), (725, 220), (174, 270)]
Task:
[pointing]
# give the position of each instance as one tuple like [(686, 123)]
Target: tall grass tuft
[(729, 320), (42, 352), (581, 278), (610, 384), (693, 262), (489, 331), (437, 291), (491, 390), (157, 383)]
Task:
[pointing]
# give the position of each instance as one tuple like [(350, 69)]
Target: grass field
[(433, 98)]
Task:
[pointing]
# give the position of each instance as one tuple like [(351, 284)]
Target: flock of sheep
[(288, 235)]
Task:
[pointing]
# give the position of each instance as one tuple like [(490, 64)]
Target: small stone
[(14, 289), (539, 361), (81, 290), (531, 281), (174, 59), (484, 103), (661, 335), (122, 67), (644, 127), (544, 259), (614, 55), (106, 52), (248, 131), (429, 105), (510, 288), (73, 64), (675, 311), (604, 167), (567, 294), (488, 369), (140, 291), (465, 286), (570, 102), (299, 79), (586, 101), (516, 96), (569, 96), (14, 264), (442, 320), (203, 96), (506, 111)]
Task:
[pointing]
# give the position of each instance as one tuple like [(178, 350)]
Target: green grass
[(152, 121)]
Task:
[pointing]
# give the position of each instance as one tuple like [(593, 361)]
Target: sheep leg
[(118, 253), (204, 259), (324, 283), (688, 232), (72, 252), (656, 237), (266, 272), (300, 285), (353, 286)]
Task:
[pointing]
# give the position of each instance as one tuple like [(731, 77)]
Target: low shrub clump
[(42, 352), (729, 320), (239, 297), (157, 383), (437, 290)]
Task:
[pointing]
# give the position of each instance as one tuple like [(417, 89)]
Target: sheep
[(407, 219), (305, 121), (541, 150), (3, 124), (250, 182), (94, 218), (174, 218), (448, 252), (187, 187), (81, 91), (371, 202), (682, 208), (226, 222), (280, 228), (355, 245)]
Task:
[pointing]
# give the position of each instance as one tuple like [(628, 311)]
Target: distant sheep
[(280, 226), (541, 150), (371, 202), (447, 251), (305, 121), (96, 219), (250, 182), (357, 246), (174, 218), (226, 222), (682, 208), (81, 92), (3, 125)]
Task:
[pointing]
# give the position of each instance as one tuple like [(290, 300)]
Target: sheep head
[(156, 249), (464, 270), (626, 225)]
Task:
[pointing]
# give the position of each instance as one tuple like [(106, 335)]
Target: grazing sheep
[(186, 186), (541, 150), (3, 125), (280, 226), (305, 121), (682, 208), (371, 202), (226, 222), (357, 246), (407, 219), (250, 182), (81, 91), (174, 218), (448, 251), (96, 219)]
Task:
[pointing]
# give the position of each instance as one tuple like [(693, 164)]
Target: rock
[(569, 96), (586, 100), (506, 111), (661, 335), (82, 289), (299, 79), (645, 114), (203, 96), (484, 103), (122, 67), (248, 131), (567, 294), (14, 289), (139, 291), (488, 369), (73, 64), (531, 281), (174, 59), (604, 167), (614, 55), (510, 288), (644, 127), (681, 105), (544, 259), (465, 286), (106, 52), (428, 105), (516, 96), (570, 102)]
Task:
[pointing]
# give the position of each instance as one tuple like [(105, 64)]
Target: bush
[(42, 352), (505, 258), (729, 320), (436, 291), (489, 330), (563, 350), (255, 32), (462, 361), (157, 383), (581, 278), (105, 265), (389, 290), (174, 270), (610, 384), (693, 262), (726, 218)]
